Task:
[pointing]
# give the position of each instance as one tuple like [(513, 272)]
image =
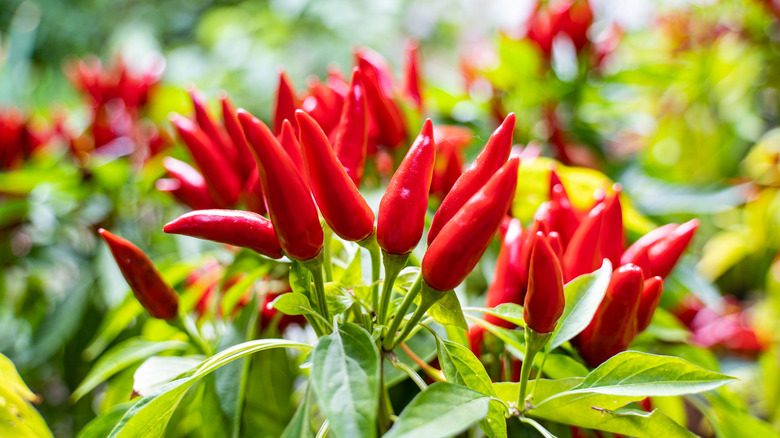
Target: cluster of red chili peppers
[(19, 138)]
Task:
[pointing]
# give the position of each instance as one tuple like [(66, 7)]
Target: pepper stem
[(534, 342), (328, 235), (315, 267), (429, 297), (393, 263), (370, 244), (389, 339)]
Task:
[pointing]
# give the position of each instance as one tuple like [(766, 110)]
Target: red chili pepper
[(223, 183), (412, 74), (582, 255), (383, 110), (340, 202), (292, 147), (191, 188), (563, 217), (147, 285), (615, 323), (402, 210), (554, 239), (233, 227), (643, 244), (467, 235), (254, 195), (651, 295), (216, 133), (612, 241), (507, 285), (286, 103), (233, 128), (323, 104), (350, 141), (544, 300), (525, 252), (665, 253), (288, 199), (492, 157)]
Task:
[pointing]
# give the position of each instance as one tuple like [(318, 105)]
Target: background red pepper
[(351, 137)]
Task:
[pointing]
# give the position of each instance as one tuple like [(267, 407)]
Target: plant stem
[(541, 370), (385, 408), (328, 234), (389, 339), (393, 263), (534, 342), (370, 244), (429, 297), (430, 371), (185, 324), (397, 364), (315, 267)]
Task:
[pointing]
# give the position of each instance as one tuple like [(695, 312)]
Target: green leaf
[(233, 295), (300, 278), (120, 357), (101, 426), (421, 344), (345, 377), (337, 297), (633, 373), (112, 324), (300, 425), (583, 296), (447, 311), (442, 410), (150, 415), (269, 389), (353, 274), (293, 303), (731, 421), (461, 366), (157, 371), (18, 418), (510, 312), (545, 433)]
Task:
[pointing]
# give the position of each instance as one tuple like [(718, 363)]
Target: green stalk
[(429, 297), (315, 267), (534, 342), (328, 234), (185, 324), (370, 244), (389, 339), (393, 263)]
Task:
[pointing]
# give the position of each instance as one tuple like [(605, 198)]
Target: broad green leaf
[(293, 303), (642, 374), (447, 311), (583, 296), (157, 371), (300, 279), (300, 425), (510, 312), (112, 324), (353, 274), (337, 297), (461, 366), (18, 418), (150, 415), (101, 426), (121, 356), (345, 377), (269, 389), (442, 410)]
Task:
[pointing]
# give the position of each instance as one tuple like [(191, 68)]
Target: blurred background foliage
[(677, 101)]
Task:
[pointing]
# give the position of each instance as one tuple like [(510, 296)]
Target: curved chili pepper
[(651, 295), (582, 255), (402, 210), (412, 74), (467, 235), (665, 253), (223, 183), (644, 243), (191, 188), (507, 285), (492, 157), (340, 202), (612, 239), (350, 141), (544, 300), (554, 239), (292, 147), (218, 136), (614, 325), (233, 128), (563, 217), (384, 110), (323, 104), (289, 202), (233, 227), (145, 281), (254, 195), (286, 103)]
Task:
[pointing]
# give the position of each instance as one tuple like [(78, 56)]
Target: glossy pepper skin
[(665, 253), (644, 243), (401, 215), (507, 285), (216, 133), (223, 183), (286, 103), (544, 300), (615, 323), (290, 144), (412, 74), (147, 285), (340, 202), (467, 235), (191, 189), (351, 139), (492, 157), (582, 255), (651, 294), (233, 227), (612, 239), (233, 128), (384, 110), (289, 202)]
